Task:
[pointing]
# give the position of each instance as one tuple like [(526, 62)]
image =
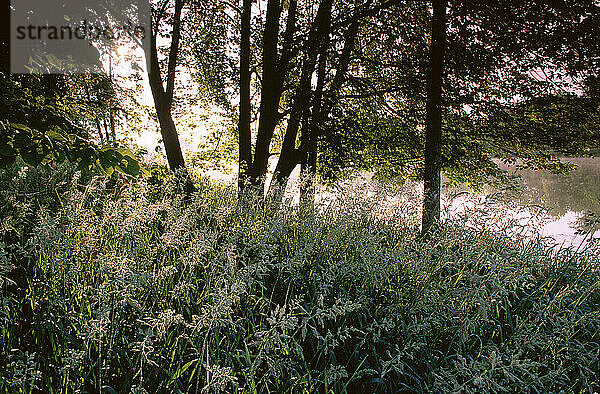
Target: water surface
[(566, 207)]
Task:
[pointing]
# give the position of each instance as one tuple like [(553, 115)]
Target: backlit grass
[(121, 286)]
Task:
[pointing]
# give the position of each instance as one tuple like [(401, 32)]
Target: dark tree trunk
[(269, 101), (105, 129), (342, 66), (433, 133), (169, 135), (290, 156), (244, 137), (322, 105), (163, 98), (113, 132), (100, 133), (274, 72), (111, 117), (5, 36), (309, 161)]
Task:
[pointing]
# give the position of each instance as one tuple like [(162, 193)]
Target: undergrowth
[(120, 286)]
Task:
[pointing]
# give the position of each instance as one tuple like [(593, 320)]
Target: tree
[(244, 134), (433, 134), (493, 104), (289, 68), (94, 103), (275, 68), (163, 91), (347, 91), (38, 128)]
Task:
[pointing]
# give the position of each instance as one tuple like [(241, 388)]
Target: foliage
[(519, 85), (35, 127), (121, 286), (358, 138)]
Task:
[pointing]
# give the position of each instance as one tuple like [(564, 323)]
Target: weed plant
[(113, 285)]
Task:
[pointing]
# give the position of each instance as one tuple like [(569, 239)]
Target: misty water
[(563, 207)]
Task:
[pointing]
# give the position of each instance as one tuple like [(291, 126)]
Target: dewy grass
[(120, 286)]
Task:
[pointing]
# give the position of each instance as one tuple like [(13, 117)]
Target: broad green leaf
[(32, 157), (7, 150), (56, 135), (19, 126)]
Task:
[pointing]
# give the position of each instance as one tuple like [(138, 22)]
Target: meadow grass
[(118, 285)]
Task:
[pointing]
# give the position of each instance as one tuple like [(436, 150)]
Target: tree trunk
[(309, 161), (106, 129), (269, 100), (290, 156), (100, 133), (169, 136), (244, 136), (274, 72), (5, 37), (113, 132), (433, 134), (322, 105), (163, 99)]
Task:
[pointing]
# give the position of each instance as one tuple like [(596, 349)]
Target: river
[(564, 207)]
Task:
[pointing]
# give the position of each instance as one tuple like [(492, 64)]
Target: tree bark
[(290, 156), (274, 72), (106, 129), (269, 100), (163, 99), (433, 133), (5, 36), (113, 132), (308, 169), (112, 103), (322, 105), (343, 64), (244, 136)]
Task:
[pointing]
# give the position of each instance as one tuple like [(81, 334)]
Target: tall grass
[(118, 286)]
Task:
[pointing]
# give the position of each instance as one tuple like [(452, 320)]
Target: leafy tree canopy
[(520, 85)]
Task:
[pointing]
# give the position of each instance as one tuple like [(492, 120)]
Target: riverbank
[(120, 286)]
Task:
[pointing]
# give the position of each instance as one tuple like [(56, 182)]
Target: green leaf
[(22, 140), (32, 157), (180, 371), (133, 167), (109, 158), (7, 150), (19, 126), (87, 157), (56, 135)]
